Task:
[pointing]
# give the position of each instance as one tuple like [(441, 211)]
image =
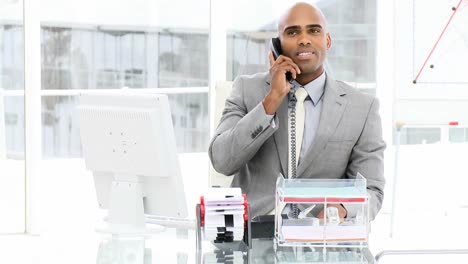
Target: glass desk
[(427, 256), (178, 246), (84, 246)]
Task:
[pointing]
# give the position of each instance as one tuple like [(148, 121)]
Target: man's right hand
[(279, 86)]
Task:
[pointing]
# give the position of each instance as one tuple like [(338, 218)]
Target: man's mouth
[(305, 55)]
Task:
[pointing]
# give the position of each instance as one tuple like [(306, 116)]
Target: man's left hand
[(341, 211)]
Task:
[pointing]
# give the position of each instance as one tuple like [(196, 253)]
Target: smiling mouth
[(305, 55)]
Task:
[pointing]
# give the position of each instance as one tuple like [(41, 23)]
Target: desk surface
[(178, 246), (171, 246)]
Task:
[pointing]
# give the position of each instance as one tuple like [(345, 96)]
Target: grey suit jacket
[(348, 140)]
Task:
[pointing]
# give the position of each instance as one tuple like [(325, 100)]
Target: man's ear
[(329, 41)]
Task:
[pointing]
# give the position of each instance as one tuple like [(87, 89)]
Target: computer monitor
[(128, 143)]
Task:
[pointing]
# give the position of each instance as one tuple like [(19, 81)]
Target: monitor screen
[(128, 143)]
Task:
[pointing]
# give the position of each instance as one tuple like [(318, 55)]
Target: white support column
[(219, 17), (32, 112), (386, 84), (386, 65)]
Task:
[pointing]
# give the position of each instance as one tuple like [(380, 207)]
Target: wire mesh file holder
[(313, 196)]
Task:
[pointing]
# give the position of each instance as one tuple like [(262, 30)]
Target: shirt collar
[(315, 88)]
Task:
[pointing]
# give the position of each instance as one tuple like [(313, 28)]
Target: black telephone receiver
[(275, 46)]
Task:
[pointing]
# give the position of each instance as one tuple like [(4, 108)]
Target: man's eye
[(315, 30), (291, 33)]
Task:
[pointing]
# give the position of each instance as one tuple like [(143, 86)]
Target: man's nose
[(303, 40)]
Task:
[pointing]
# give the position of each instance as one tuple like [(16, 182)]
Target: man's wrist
[(271, 102)]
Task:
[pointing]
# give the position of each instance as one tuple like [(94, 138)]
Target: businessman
[(342, 133)]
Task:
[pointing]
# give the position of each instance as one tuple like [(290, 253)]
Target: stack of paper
[(224, 214)]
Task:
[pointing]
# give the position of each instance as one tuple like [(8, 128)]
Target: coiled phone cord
[(292, 120)]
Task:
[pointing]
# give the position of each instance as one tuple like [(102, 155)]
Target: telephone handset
[(275, 46)]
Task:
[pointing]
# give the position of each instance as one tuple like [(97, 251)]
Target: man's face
[(305, 40)]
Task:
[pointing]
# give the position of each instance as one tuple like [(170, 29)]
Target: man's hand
[(341, 211), (279, 86)]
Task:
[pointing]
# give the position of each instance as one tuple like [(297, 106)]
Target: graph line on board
[(455, 9)]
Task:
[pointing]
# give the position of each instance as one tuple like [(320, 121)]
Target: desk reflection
[(123, 250), (234, 252), (137, 250), (262, 252)]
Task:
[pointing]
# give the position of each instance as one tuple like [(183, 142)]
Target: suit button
[(260, 128), (253, 135)]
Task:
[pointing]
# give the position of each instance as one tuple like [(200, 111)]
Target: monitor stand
[(126, 212)]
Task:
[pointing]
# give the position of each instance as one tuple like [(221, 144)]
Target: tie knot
[(301, 94)]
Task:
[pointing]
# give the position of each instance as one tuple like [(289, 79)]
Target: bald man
[(342, 130)]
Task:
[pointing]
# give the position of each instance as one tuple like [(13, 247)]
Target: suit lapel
[(333, 107)]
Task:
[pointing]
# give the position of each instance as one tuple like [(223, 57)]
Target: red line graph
[(455, 9)]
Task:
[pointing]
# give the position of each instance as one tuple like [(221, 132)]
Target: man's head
[(305, 39)]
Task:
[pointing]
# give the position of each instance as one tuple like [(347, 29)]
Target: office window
[(12, 82), (182, 59), (11, 59), (352, 25), (13, 130), (247, 53), (190, 120), (162, 52), (61, 134)]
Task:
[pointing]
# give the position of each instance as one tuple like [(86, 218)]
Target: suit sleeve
[(241, 131), (367, 158)]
